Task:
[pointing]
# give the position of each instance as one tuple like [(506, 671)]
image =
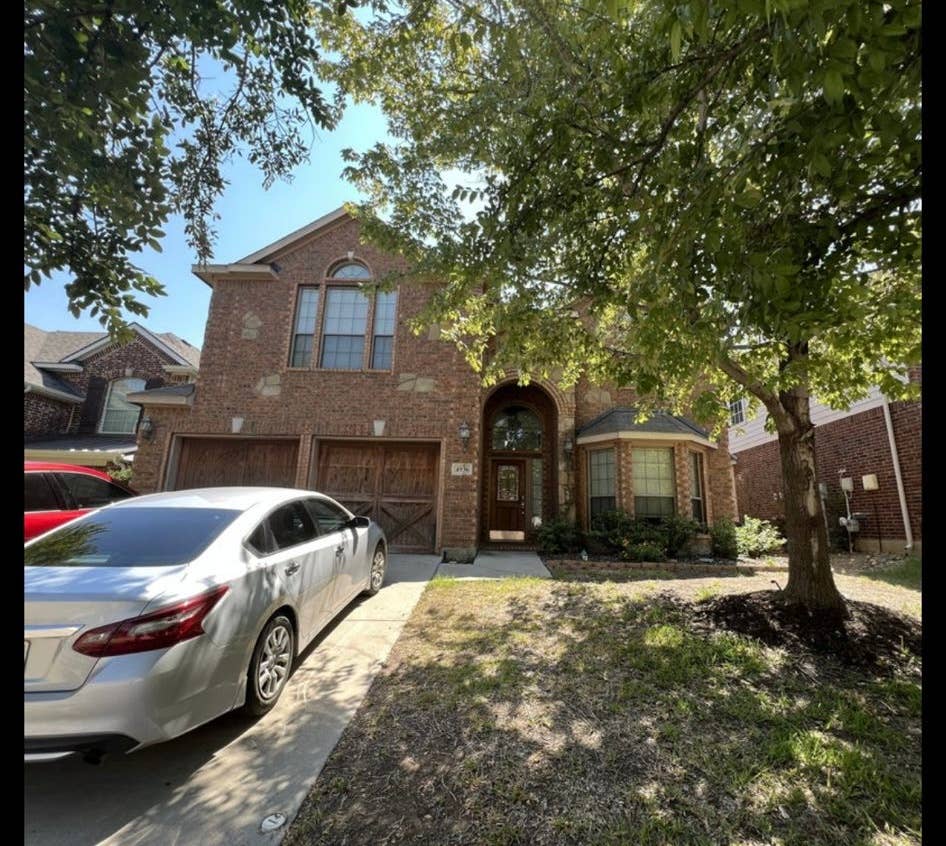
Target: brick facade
[(857, 444), (426, 396), (44, 415)]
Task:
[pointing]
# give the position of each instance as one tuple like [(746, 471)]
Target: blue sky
[(250, 218)]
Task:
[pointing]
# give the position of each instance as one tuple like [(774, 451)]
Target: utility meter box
[(847, 483), (850, 523)]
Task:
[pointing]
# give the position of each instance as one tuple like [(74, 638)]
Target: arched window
[(120, 416), (516, 428), (350, 270)]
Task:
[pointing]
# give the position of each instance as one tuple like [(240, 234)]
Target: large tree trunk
[(810, 580)]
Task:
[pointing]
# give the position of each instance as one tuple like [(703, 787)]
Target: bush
[(678, 532), (757, 537), (613, 532), (557, 536), (723, 533), (644, 552), (120, 473)]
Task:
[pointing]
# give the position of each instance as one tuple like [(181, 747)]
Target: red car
[(56, 493)]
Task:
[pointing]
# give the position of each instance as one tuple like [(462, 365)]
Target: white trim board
[(582, 440), (302, 232), (150, 337)]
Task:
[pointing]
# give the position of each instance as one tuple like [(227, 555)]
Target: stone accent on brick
[(268, 386), (251, 325)]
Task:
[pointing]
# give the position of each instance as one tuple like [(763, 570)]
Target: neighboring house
[(307, 381), (75, 405), (859, 442)]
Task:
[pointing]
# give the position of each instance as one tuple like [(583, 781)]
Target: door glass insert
[(536, 491), (507, 483)]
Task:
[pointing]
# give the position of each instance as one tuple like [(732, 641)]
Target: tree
[(132, 108), (698, 199)]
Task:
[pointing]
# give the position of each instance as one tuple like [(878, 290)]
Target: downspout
[(896, 471)]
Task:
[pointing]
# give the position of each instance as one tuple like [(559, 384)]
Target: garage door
[(394, 484), (209, 462)]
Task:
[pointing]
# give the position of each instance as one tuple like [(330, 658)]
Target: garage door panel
[(214, 462), (394, 484)]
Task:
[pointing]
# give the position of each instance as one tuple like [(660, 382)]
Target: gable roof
[(262, 254), (622, 420), (62, 348)]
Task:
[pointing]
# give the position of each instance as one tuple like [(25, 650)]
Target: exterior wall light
[(146, 429), (569, 446), (464, 433)]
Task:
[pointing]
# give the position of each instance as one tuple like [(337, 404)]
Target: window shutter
[(92, 407)]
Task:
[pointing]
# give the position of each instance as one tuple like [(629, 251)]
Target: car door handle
[(292, 567)]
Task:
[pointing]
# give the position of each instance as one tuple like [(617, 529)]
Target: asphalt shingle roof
[(623, 420)]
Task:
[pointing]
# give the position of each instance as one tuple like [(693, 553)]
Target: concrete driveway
[(217, 784)]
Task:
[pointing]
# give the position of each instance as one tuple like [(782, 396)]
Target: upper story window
[(352, 330), (517, 428), (120, 416), (737, 412)]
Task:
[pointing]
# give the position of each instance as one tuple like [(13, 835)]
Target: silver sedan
[(152, 616)]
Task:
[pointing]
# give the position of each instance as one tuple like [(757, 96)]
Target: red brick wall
[(44, 415), (857, 444)]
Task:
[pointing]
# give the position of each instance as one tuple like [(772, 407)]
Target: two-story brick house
[(76, 387), (310, 379)]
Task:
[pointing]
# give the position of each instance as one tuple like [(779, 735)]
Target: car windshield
[(131, 537)]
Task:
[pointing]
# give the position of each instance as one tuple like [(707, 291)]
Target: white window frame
[(108, 394), (636, 476), (737, 408)]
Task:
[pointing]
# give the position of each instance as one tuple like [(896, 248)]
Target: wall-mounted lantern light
[(569, 446), (146, 428), (464, 433)]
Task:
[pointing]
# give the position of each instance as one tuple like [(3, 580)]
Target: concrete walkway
[(497, 564), (215, 785)]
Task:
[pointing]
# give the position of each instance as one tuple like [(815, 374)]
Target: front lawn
[(541, 712)]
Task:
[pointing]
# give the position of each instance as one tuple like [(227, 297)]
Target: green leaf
[(833, 87), (676, 33)]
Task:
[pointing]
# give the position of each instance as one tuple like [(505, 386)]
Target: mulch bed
[(872, 636)]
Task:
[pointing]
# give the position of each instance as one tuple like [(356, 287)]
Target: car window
[(90, 491), (291, 525), (130, 537), (38, 493), (328, 517), (262, 541)]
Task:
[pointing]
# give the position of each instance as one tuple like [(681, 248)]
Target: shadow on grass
[(591, 573), (560, 714), (909, 574)]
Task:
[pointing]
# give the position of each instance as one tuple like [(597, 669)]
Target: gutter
[(901, 493)]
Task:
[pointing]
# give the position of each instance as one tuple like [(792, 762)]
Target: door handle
[(292, 567)]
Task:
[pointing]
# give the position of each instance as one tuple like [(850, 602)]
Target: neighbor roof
[(58, 346), (624, 420)]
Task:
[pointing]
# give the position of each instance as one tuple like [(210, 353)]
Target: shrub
[(678, 532), (645, 551), (614, 531), (120, 473), (558, 535), (723, 534), (757, 537)]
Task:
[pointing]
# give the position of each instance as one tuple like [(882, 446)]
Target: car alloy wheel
[(274, 662), (378, 564)]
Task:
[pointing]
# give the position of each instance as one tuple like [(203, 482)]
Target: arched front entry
[(519, 472)]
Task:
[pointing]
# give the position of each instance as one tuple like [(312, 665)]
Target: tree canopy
[(730, 189), (131, 111)]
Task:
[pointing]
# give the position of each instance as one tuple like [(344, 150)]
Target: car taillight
[(157, 630)]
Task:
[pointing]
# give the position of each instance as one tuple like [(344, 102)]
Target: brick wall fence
[(857, 444)]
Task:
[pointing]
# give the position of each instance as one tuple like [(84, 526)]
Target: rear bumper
[(53, 748)]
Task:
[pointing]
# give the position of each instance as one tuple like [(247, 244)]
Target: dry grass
[(547, 712)]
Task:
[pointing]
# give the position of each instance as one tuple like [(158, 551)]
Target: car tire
[(379, 566), (270, 666)]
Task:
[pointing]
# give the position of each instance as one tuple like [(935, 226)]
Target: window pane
[(737, 412), (121, 416), (536, 491), (652, 472), (343, 352), (291, 525), (346, 312), (507, 483), (517, 428), (350, 270), (131, 537), (262, 539), (601, 473), (327, 516), (382, 353), (697, 506), (306, 313), (385, 305), (90, 492), (653, 506), (602, 504), (38, 494)]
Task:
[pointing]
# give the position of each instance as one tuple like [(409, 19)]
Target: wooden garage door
[(209, 462), (394, 484)]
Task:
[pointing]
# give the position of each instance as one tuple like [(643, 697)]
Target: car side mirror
[(359, 522)]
